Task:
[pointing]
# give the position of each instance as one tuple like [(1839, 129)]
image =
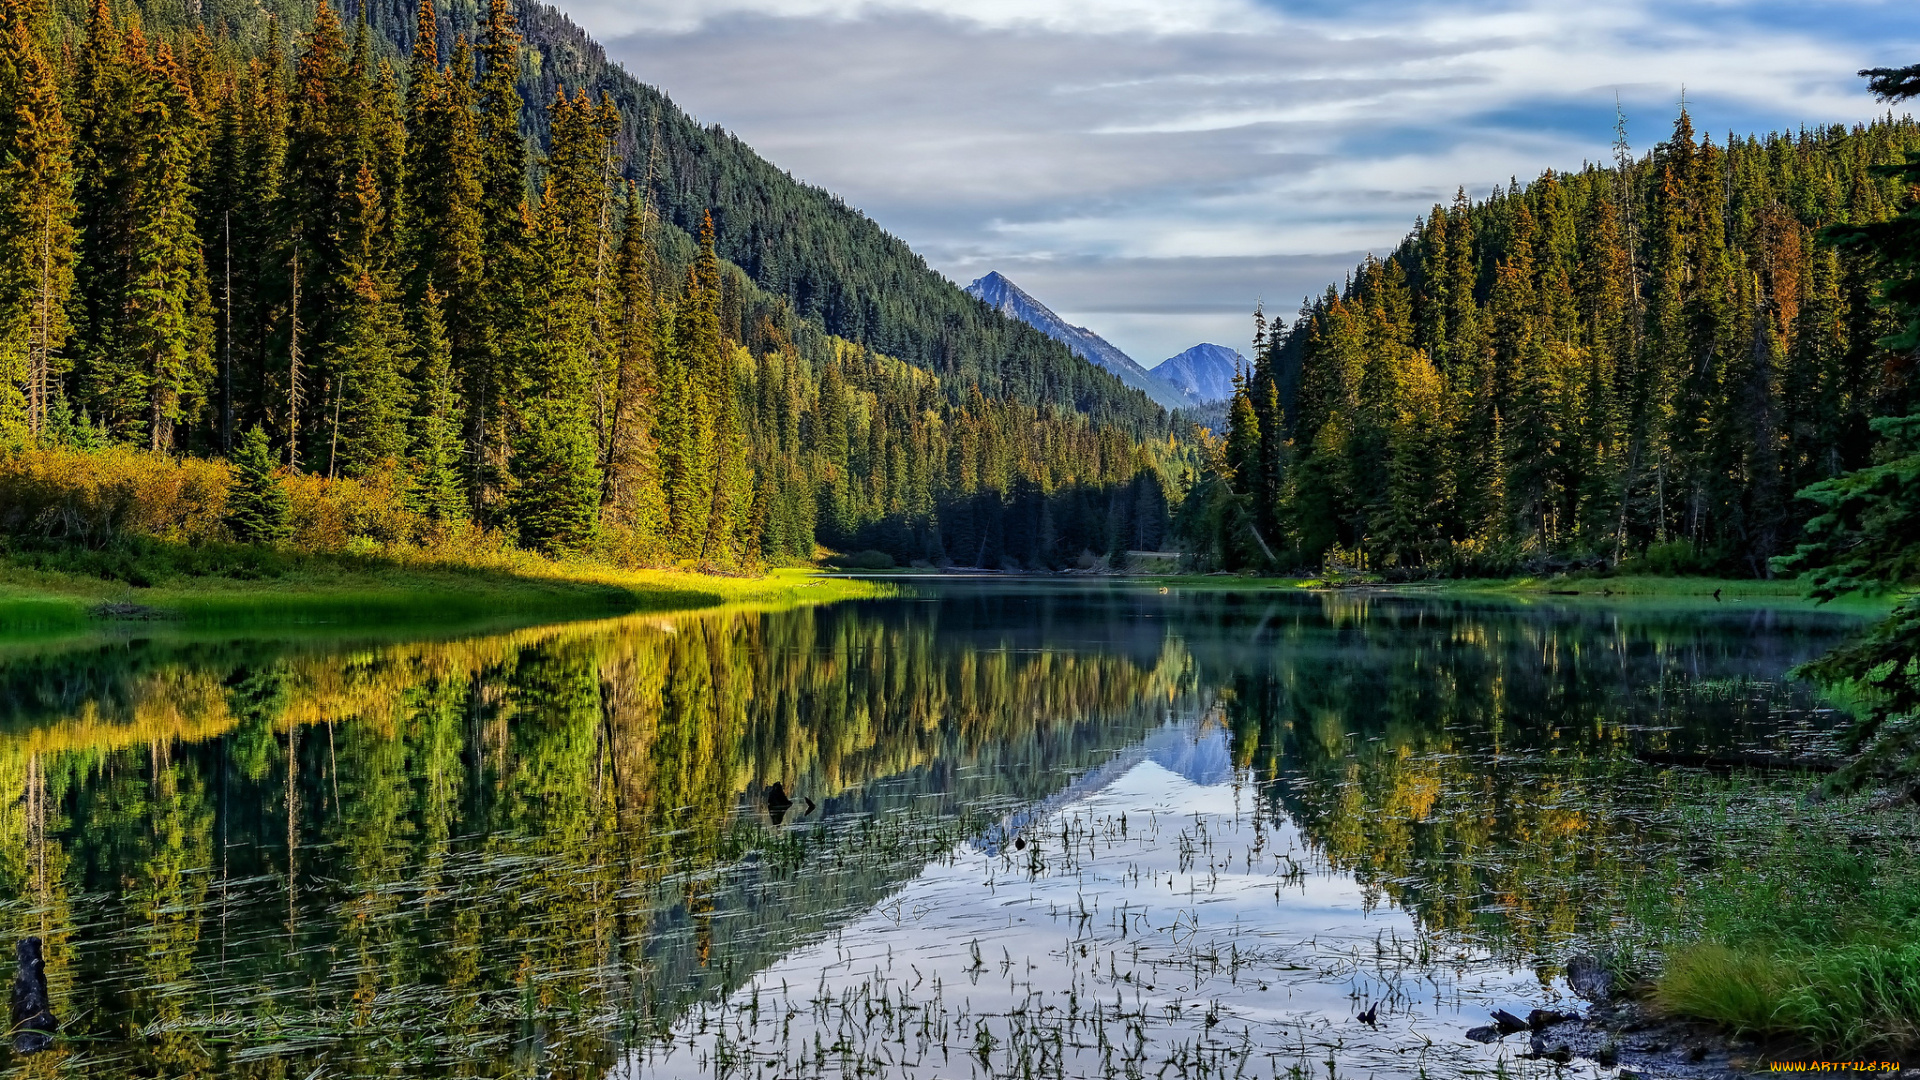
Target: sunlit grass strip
[(346, 590)]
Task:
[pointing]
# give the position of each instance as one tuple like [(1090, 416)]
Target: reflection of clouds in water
[(1151, 892)]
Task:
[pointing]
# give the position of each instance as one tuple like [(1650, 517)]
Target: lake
[(1020, 829)]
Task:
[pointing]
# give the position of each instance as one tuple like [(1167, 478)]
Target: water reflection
[(552, 852)]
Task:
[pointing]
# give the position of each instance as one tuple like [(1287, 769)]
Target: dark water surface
[(1037, 831)]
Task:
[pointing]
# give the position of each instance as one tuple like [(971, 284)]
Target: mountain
[(1003, 296), (830, 263), (1204, 373)]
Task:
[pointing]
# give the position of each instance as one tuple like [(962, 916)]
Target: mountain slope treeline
[(832, 264), (1642, 362), (224, 237)]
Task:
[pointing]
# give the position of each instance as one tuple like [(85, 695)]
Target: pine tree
[(258, 508)]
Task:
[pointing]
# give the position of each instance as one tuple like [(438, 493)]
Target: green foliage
[(1862, 538), (1865, 536), (434, 488), (259, 510), (864, 560), (556, 495), (1788, 934), (36, 230)]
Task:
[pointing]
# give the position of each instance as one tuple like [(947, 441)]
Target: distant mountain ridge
[(1203, 373), (1011, 300)]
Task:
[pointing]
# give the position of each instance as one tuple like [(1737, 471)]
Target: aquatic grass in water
[(1795, 921), (1157, 923)]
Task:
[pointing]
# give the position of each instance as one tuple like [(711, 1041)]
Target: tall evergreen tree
[(433, 474), (36, 227)]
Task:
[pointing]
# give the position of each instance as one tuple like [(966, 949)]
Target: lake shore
[(1795, 937), (1624, 586), (296, 588)]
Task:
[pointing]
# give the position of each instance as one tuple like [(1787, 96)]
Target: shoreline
[(346, 590), (1622, 587)]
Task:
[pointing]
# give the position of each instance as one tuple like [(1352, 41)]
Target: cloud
[(1151, 167)]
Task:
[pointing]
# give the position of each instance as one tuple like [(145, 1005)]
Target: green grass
[(52, 590), (1628, 586), (1801, 925)]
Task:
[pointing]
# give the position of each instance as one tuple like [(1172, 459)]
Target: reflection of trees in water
[(476, 856), (1475, 763)]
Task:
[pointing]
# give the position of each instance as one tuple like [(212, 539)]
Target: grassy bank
[(246, 586), (1623, 585), (1799, 926)]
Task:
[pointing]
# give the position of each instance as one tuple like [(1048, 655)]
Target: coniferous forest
[(1632, 365), (359, 251)]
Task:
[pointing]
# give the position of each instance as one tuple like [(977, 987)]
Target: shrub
[(863, 560), (328, 514), (95, 498)]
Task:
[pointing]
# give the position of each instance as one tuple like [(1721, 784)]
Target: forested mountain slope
[(830, 262), (227, 231), (1643, 362)]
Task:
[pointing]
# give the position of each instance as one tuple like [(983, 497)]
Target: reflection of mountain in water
[(560, 829), (1196, 750)]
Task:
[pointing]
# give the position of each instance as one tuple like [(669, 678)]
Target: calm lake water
[(1095, 830)]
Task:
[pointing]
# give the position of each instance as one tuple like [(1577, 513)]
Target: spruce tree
[(109, 144), (258, 508), (556, 462), (168, 331), (500, 304), (372, 398), (632, 496), (1863, 538), (433, 465)]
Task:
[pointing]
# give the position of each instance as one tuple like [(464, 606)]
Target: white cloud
[(1126, 136), (1101, 17)]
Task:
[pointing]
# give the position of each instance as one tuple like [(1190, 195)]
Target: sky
[(1152, 170)]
